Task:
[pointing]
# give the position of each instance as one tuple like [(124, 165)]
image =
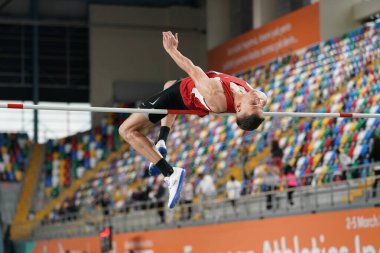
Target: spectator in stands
[(271, 183), (72, 209), (118, 198), (140, 197), (276, 153), (307, 177), (245, 185), (258, 179), (357, 172), (375, 158), (98, 195), (206, 185), (160, 201), (205, 92), (345, 161), (105, 203), (187, 196), (233, 190), (291, 182), (243, 151), (129, 201), (61, 213), (206, 191)]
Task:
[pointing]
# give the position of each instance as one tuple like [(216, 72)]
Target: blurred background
[(69, 183)]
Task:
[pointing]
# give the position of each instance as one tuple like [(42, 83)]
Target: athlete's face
[(256, 97), (252, 102)]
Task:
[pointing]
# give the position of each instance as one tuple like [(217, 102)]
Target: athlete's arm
[(206, 86)]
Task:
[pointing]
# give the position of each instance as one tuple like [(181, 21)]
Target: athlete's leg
[(168, 121), (131, 127), (130, 132), (170, 118), (166, 124)]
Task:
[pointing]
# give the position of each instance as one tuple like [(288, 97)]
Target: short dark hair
[(249, 123)]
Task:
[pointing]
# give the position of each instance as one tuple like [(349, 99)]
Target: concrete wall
[(227, 19), (126, 48), (264, 11), (337, 17), (218, 22), (365, 9)]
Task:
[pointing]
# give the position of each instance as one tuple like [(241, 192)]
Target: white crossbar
[(195, 112)]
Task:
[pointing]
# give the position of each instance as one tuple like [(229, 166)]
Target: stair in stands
[(23, 230), (255, 161), (359, 191), (29, 185)]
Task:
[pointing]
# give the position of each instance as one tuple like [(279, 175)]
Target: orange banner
[(288, 33), (356, 231)]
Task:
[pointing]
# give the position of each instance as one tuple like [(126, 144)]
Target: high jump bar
[(187, 112)]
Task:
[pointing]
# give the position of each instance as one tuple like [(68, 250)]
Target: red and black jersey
[(195, 101)]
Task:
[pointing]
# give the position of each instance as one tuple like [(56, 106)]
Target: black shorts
[(167, 99)]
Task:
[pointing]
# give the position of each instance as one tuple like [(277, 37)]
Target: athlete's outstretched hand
[(169, 41)]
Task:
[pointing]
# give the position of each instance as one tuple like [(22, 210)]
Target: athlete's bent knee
[(126, 132), (122, 130), (129, 135)]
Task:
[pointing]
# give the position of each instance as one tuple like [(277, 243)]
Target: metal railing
[(352, 193)]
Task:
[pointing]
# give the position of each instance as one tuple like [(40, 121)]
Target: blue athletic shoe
[(161, 147), (175, 183)]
